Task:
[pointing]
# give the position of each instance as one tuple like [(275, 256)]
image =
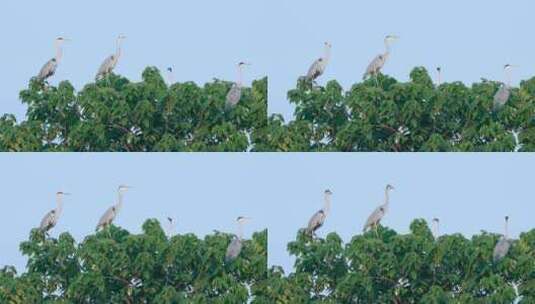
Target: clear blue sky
[(468, 39), (468, 192), (201, 39), (203, 192), (204, 39)]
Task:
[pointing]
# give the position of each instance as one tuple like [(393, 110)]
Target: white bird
[(379, 61), (235, 246), (377, 215), (109, 63), (49, 69), (170, 76), (318, 219), (436, 231), (234, 95), (170, 226), (318, 67), (439, 76), (50, 220), (110, 214), (503, 245), (504, 92)]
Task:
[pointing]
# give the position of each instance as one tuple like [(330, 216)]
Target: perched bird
[(377, 215), (111, 62), (436, 231), (49, 69), (317, 220), (109, 216), (50, 220), (504, 92), (504, 244), (234, 94), (379, 61), (318, 67), (235, 246)]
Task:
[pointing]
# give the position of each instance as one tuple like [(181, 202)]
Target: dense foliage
[(386, 115), (114, 266), (388, 267), (115, 114)]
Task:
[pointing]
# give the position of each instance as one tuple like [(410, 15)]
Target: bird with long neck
[(436, 231), (109, 63), (235, 92), (320, 65), (439, 76), (318, 219), (504, 244), (235, 246), (109, 216), (504, 92), (49, 69), (51, 218), (379, 61), (377, 215)]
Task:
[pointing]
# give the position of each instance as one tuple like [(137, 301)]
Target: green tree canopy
[(115, 114), (386, 115), (114, 266), (387, 267)]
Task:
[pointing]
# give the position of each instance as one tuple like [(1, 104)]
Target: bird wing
[(316, 221), (233, 249), (48, 221), (106, 218), (501, 249), (501, 96), (234, 95), (375, 217), (106, 66), (315, 70), (48, 69), (374, 66)]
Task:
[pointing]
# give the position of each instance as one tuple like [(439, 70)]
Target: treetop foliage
[(388, 267), (114, 266), (115, 114), (382, 114)]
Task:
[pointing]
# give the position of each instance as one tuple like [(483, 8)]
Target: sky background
[(468, 39), (468, 192), (201, 39), (202, 193), (204, 39)]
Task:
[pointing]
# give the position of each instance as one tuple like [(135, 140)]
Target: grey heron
[(379, 61), (234, 95), (377, 215), (107, 218), (170, 76), (49, 69), (109, 63), (235, 246), (504, 92), (504, 244), (318, 67), (50, 220), (317, 220), (439, 76), (170, 226), (436, 228)]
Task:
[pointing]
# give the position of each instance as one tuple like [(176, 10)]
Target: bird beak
[(65, 193)]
